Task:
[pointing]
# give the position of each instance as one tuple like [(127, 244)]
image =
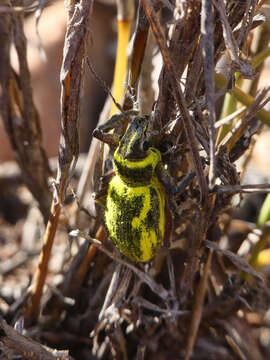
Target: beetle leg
[(115, 122), (172, 206), (108, 138), (168, 182), (103, 131), (185, 181), (171, 212), (100, 196), (118, 123), (168, 225), (105, 179)]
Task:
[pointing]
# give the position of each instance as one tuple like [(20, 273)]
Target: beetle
[(137, 215)]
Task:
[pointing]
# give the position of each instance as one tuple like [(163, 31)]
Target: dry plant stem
[(229, 39), (207, 40), (235, 347), (235, 114), (242, 338), (156, 288), (140, 301), (247, 22), (92, 156), (260, 4), (5, 70), (139, 45), (237, 64), (111, 291), (240, 127), (32, 311), (202, 219), (239, 262), (19, 113), (249, 154), (79, 275), (262, 53), (125, 14), (251, 188), (198, 307), (71, 76), (171, 275), (178, 94), (146, 91), (261, 45), (221, 81), (74, 277), (116, 292), (13, 344)]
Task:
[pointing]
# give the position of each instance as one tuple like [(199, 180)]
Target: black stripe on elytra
[(153, 215), (127, 238), (141, 176)]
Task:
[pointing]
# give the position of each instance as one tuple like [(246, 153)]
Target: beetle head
[(133, 144)]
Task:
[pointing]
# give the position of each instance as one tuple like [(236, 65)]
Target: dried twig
[(138, 49), (19, 113), (238, 64), (198, 307), (71, 81), (207, 30), (236, 260), (13, 344), (178, 94), (156, 288), (234, 189), (244, 98)]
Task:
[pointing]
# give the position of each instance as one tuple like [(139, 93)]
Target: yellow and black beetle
[(136, 211)]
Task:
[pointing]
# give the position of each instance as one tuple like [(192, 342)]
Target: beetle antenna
[(103, 84)]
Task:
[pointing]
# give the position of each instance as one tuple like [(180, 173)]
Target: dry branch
[(19, 113), (14, 344), (71, 81)]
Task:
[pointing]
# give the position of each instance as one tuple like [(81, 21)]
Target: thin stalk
[(125, 13), (244, 98)]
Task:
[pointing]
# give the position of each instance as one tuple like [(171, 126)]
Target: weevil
[(137, 215)]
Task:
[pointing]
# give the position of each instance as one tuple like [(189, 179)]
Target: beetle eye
[(145, 145)]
